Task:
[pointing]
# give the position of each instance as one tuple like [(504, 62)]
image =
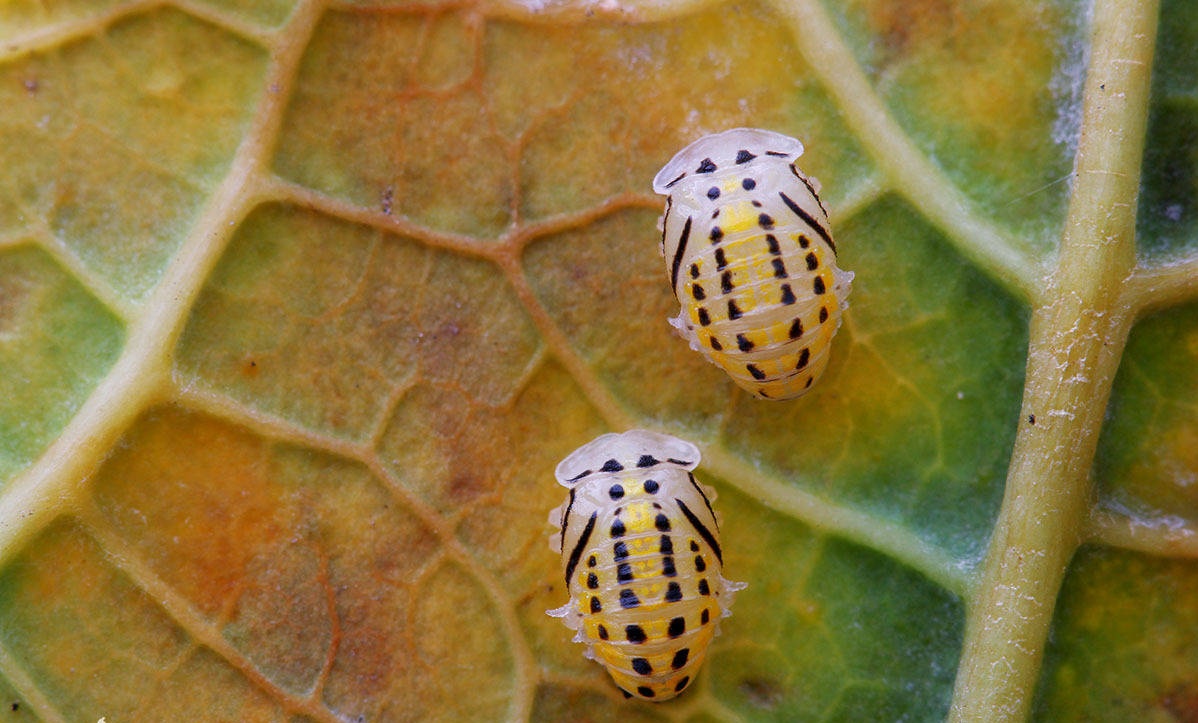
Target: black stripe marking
[(702, 530), (706, 501), (579, 476), (680, 462), (676, 180), (566, 519), (779, 154), (678, 252), (807, 183), (809, 219), (576, 553)]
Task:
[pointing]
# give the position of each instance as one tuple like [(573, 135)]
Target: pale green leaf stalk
[(1078, 331)]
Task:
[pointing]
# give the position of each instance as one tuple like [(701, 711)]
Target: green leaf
[(301, 305)]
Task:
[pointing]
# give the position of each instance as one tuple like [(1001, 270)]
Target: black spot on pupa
[(602, 633), (651, 486), (666, 547), (744, 156), (743, 343), (616, 491), (620, 551), (682, 683), (765, 221), (823, 314), (796, 328), (628, 599), (662, 523), (818, 285), (698, 293), (715, 344), (617, 529), (624, 573), (673, 592), (788, 296), (645, 691), (704, 589), (713, 193), (755, 371), (726, 285), (596, 606), (706, 166), (734, 311), (812, 262), (677, 627), (634, 633), (748, 184), (804, 357), (700, 564), (680, 658), (647, 460), (704, 317), (716, 235), (641, 666), (592, 581), (667, 566), (611, 465)]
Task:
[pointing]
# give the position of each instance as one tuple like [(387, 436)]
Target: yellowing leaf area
[(300, 304)]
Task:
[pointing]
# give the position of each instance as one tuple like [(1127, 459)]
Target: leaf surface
[(300, 305)]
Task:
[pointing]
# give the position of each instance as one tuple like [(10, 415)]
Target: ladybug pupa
[(641, 560), (751, 260)]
